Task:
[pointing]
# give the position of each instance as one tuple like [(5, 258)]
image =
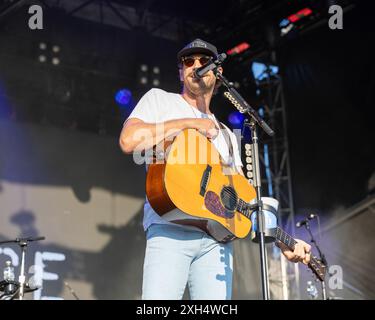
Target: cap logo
[(199, 44)]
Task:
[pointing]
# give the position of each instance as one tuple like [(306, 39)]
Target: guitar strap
[(228, 141)]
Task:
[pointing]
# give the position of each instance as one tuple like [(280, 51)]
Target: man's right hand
[(149, 136), (207, 127)]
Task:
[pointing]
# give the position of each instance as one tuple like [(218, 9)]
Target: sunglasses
[(189, 61)]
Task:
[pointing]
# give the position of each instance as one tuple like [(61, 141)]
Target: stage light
[(143, 80), (283, 23), (55, 61), (299, 15), (238, 49), (249, 160), (143, 74), (287, 29), (124, 97), (249, 174), (155, 76), (51, 55), (55, 49), (261, 112), (262, 71), (149, 75), (288, 24), (236, 119), (42, 58)]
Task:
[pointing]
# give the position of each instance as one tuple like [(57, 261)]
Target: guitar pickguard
[(214, 205)]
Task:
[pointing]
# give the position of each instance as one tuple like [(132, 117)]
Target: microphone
[(212, 64), (306, 221)]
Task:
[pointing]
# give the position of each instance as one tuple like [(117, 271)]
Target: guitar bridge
[(204, 181)]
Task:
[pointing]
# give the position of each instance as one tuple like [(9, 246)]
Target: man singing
[(177, 255)]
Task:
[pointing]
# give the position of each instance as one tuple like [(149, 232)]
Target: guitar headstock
[(318, 268)]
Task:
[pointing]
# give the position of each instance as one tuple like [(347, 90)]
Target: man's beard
[(199, 87)]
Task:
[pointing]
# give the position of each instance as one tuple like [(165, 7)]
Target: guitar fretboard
[(243, 207), (285, 238)]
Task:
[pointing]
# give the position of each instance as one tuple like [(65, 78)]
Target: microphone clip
[(211, 65)]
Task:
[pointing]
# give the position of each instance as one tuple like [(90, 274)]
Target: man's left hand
[(301, 252)]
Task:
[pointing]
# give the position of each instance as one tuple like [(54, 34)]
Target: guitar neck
[(285, 238)]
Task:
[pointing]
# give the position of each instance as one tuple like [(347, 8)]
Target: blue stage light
[(260, 71), (284, 23), (236, 119), (124, 97)]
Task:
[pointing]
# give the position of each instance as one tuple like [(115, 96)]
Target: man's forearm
[(143, 136)]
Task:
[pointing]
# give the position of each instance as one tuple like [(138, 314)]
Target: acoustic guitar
[(188, 183), (208, 194)]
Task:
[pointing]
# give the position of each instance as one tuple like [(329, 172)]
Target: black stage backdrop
[(329, 77)]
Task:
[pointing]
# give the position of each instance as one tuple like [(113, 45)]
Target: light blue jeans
[(176, 256)]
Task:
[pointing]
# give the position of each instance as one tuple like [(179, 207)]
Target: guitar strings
[(234, 197), (232, 192)]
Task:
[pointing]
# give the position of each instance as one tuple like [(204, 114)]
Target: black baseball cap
[(197, 46)]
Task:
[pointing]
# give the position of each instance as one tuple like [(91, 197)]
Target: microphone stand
[(255, 119), (321, 255), (23, 242)]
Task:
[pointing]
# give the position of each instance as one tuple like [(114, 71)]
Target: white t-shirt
[(159, 106)]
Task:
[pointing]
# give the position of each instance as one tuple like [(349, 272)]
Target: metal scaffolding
[(276, 178), (127, 16)]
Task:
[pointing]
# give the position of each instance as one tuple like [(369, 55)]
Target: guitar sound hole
[(229, 198)]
